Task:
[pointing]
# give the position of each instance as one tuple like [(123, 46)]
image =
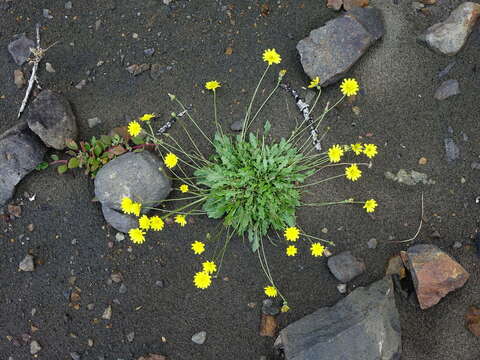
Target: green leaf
[(54, 157), (42, 166), (266, 128), (72, 145), (73, 163), (138, 140), (106, 140), (62, 169), (98, 149)]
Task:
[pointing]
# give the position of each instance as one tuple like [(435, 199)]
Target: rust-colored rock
[(268, 325), (473, 320), (434, 273), (335, 4)]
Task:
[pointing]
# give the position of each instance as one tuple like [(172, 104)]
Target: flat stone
[(331, 50), (50, 116), (345, 266), (20, 49), (200, 337), (434, 273), (138, 176), (409, 177), (364, 325), (21, 151), (447, 89), (448, 37), (27, 264)]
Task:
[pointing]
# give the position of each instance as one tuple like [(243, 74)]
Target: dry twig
[(418, 231)]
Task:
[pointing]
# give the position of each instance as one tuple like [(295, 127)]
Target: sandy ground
[(397, 111)]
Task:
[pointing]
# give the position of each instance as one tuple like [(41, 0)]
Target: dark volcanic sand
[(398, 78)]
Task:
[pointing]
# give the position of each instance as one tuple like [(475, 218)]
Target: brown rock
[(473, 320), (19, 79), (152, 357), (334, 4), (350, 4), (268, 325), (395, 267), (428, 2), (14, 210), (434, 273)]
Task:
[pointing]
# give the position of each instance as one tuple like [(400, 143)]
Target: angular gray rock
[(51, 118), (20, 49), (446, 89), (345, 266), (21, 151), (27, 264), (331, 50), (365, 325), (449, 36), (200, 337), (118, 220)]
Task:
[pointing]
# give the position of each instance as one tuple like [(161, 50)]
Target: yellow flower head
[(126, 205), (270, 291), (180, 220), (317, 249), (209, 267), (370, 150), (198, 247), (144, 222), (291, 250), (135, 209), (292, 233), (353, 172), (156, 223), (335, 153), (270, 56), (357, 148), (212, 85), (314, 82), (282, 73), (147, 117), (170, 160), (184, 188), (137, 236), (370, 205), (349, 87), (134, 128), (285, 308), (202, 280)]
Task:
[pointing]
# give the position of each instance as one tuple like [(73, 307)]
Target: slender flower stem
[(217, 125), (319, 182), (264, 103), (332, 203), (193, 121), (316, 100), (247, 115)]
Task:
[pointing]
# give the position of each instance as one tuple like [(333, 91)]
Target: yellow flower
[(292, 233), (270, 291), (134, 128), (314, 82), (370, 205), (357, 148), (137, 236), (317, 249), (285, 308), (135, 209), (212, 85), (209, 267), (349, 87), (202, 280), (353, 172), (156, 223), (184, 188), (144, 222), (370, 150), (291, 250), (126, 205), (198, 247), (282, 73), (180, 220), (147, 117), (271, 57), (170, 160), (335, 153)]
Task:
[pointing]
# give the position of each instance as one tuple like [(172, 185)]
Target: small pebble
[(93, 122), (270, 308), (27, 264), (135, 35), (91, 306), (97, 24), (200, 337), (100, 63), (122, 289), (116, 277), (49, 67), (107, 314), (149, 52), (130, 336), (81, 84), (160, 283), (457, 245), (372, 243), (342, 288), (236, 125), (34, 347), (46, 14), (119, 236), (75, 356), (19, 79), (90, 342), (68, 5)]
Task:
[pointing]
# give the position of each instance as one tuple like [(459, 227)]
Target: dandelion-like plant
[(251, 183)]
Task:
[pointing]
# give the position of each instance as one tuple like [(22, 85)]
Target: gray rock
[(200, 337), (122, 289), (372, 243), (34, 347), (49, 67), (457, 245), (330, 51), (118, 220), (446, 70), (75, 356), (119, 236), (475, 165), (81, 84), (345, 266), (51, 118), (27, 264), (237, 125), (149, 52), (20, 49), (449, 36), (270, 308), (409, 177), (68, 5), (93, 122), (138, 176), (21, 151), (446, 89), (365, 325), (131, 336), (451, 150), (342, 288)]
